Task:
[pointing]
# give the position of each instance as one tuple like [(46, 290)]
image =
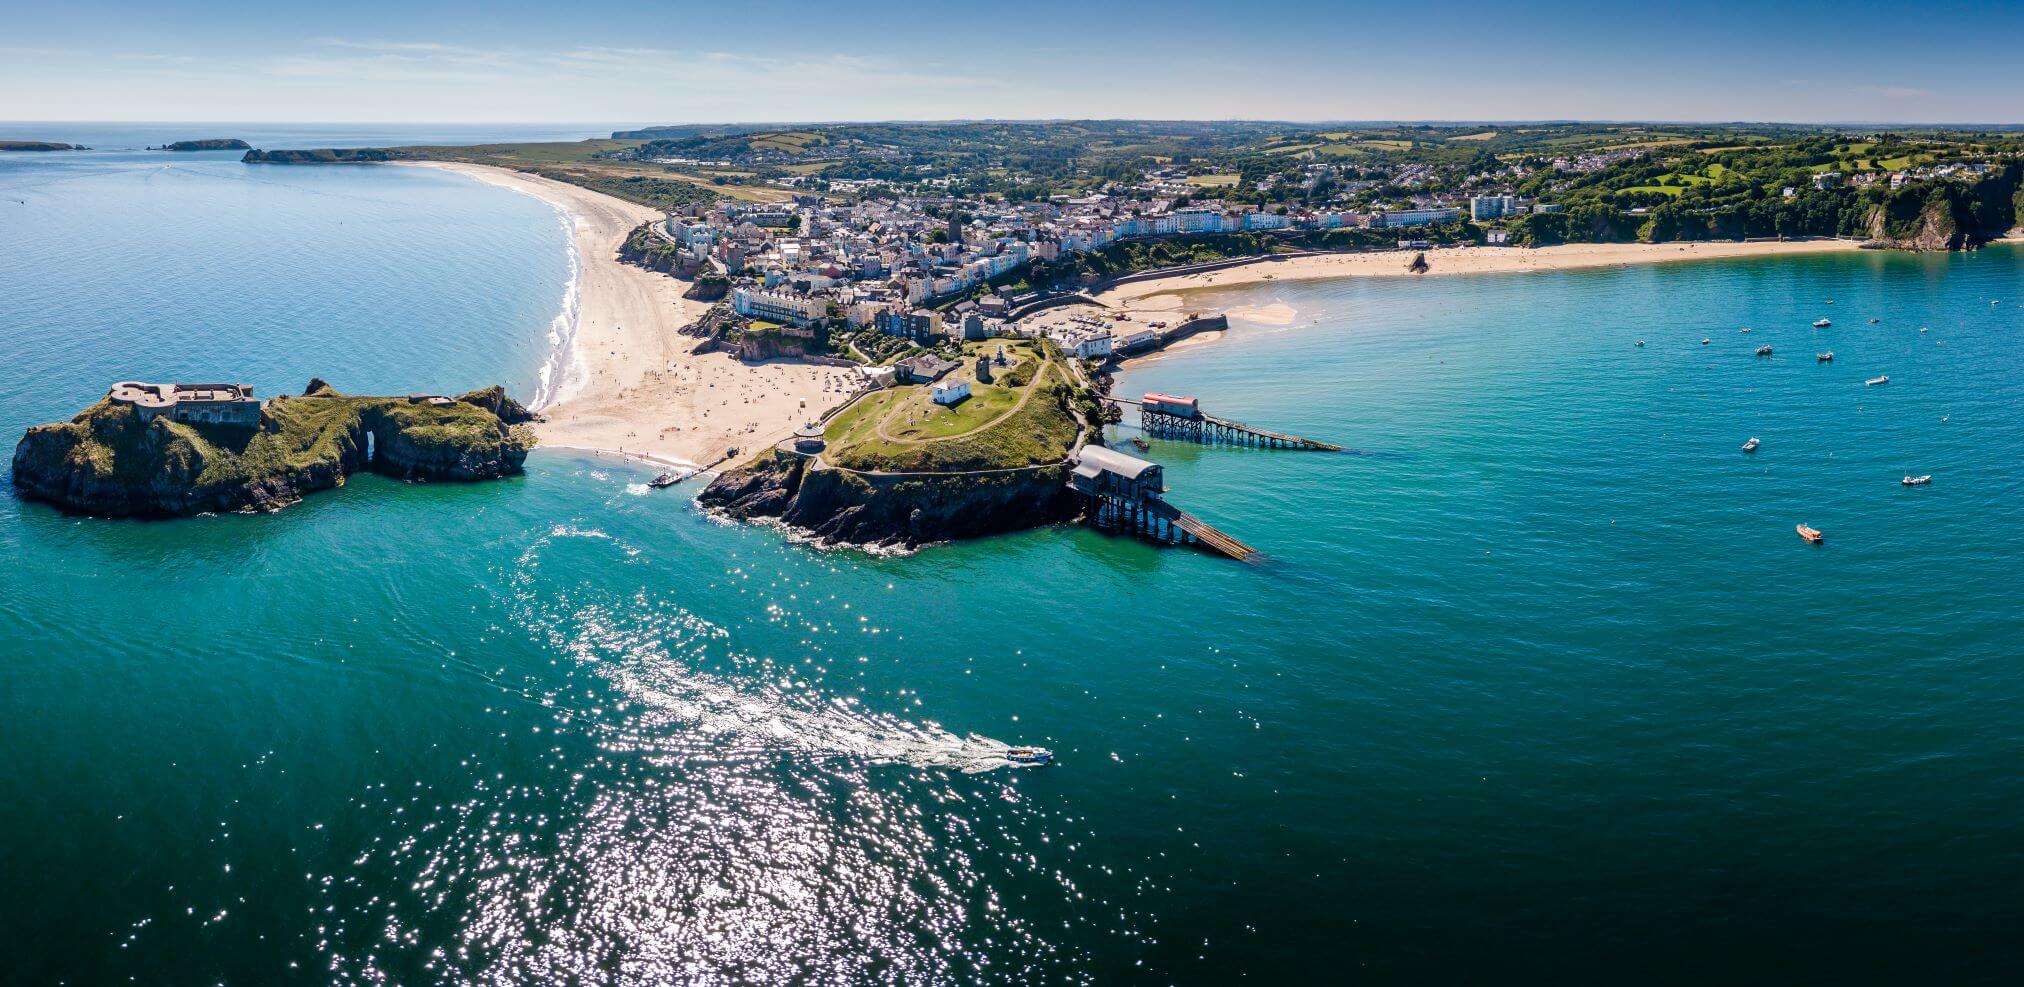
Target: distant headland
[(40, 146), (174, 450), (211, 144)]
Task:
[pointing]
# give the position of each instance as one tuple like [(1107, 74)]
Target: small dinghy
[(1141, 443), (1917, 481), (1640, 344), (1821, 323), (1812, 535), (1827, 357), (1704, 340), (1878, 379), (1763, 351), (1750, 446)]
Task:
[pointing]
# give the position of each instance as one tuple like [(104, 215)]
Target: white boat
[(1878, 379), (1704, 340), (1821, 323), (1827, 357), (1750, 446), (1640, 343), (1029, 755), (1917, 481)]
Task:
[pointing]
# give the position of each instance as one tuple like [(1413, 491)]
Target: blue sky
[(752, 60)]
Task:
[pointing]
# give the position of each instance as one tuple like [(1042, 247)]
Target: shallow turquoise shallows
[(1539, 684)]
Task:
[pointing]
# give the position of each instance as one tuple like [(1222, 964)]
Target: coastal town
[(874, 269)]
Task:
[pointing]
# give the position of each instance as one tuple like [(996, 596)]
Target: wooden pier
[(1203, 427)]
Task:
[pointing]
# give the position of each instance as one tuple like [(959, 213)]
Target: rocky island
[(955, 449), (39, 146), (174, 450), (211, 144)]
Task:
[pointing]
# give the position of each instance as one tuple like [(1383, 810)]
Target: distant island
[(325, 155), (39, 146), (174, 450), (213, 144)]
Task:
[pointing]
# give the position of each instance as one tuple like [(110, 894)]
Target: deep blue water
[(1539, 686)]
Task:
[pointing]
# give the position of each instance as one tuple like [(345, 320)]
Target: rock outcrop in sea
[(890, 510), (114, 461)]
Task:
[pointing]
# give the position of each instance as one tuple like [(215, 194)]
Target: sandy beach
[(1464, 260), (631, 385)]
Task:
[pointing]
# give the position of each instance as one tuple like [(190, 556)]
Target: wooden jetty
[(1182, 418), (1126, 493)]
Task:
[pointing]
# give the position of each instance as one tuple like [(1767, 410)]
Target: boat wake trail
[(651, 651)]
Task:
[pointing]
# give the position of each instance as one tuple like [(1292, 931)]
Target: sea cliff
[(890, 510), (1949, 215), (110, 461)]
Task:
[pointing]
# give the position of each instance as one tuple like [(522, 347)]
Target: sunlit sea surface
[(1537, 685)]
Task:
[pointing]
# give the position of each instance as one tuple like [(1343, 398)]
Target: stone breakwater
[(111, 461)]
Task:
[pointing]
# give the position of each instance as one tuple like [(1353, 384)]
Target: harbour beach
[(1184, 296), (629, 382)]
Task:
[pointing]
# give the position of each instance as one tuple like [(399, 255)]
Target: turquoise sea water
[(1539, 686)]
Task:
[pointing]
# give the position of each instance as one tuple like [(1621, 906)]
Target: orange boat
[(1812, 535)]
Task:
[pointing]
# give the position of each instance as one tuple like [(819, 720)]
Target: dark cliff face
[(1949, 215), (840, 507), (107, 462)]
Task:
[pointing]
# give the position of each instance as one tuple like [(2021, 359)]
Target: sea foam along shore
[(629, 383)]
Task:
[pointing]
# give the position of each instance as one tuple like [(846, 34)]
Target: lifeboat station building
[(191, 404)]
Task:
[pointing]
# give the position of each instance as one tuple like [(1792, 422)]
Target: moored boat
[(664, 480), (1827, 357), (1750, 446), (1821, 323), (1812, 535), (1917, 481), (1878, 379), (1763, 351)]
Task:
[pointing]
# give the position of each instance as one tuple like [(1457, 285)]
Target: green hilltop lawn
[(902, 430)]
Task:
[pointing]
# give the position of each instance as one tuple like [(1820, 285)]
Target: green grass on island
[(109, 441), (901, 429)]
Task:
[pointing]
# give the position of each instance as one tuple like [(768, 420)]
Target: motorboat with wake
[(1029, 755)]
